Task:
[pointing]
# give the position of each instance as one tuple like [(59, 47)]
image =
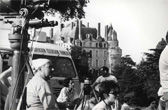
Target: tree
[(80, 58), (148, 71), (125, 73), (140, 82), (69, 8)]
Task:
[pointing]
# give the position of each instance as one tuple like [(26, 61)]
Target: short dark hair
[(104, 68), (66, 82), (106, 87)]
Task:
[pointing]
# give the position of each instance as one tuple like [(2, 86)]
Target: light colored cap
[(37, 63), (160, 92)]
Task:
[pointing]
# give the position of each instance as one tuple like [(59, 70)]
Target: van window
[(63, 67)]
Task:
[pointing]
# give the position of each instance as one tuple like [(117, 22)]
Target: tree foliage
[(69, 8), (126, 77), (148, 73), (140, 82), (80, 58)]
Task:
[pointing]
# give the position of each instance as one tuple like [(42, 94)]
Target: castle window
[(104, 62), (96, 53), (90, 44), (97, 63), (104, 45), (90, 53), (96, 44), (81, 44), (100, 45), (104, 53)]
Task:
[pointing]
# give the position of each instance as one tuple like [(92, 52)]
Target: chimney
[(80, 30), (106, 32), (98, 31), (88, 25)]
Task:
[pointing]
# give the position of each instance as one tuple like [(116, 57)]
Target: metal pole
[(19, 43)]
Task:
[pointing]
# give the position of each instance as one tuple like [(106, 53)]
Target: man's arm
[(96, 82), (62, 96)]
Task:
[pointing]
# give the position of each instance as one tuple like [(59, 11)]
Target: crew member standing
[(105, 76), (39, 91), (163, 69)]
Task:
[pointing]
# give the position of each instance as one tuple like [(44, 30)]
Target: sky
[(140, 24)]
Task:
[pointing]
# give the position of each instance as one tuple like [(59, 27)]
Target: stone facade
[(114, 50), (104, 51)]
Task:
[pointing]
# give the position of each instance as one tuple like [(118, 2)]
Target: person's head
[(44, 67), (152, 102), (109, 91), (68, 82), (104, 71), (126, 100)]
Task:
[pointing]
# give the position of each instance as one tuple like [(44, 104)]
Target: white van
[(63, 64)]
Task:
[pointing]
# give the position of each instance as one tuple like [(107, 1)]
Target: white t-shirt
[(163, 69), (101, 105), (66, 96), (40, 95), (125, 107)]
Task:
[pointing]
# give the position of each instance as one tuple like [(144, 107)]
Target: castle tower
[(114, 50)]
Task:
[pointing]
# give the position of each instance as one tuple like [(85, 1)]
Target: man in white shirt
[(163, 69), (105, 76), (39, 91)]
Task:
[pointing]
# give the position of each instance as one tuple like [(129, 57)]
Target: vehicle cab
[(63, 64)]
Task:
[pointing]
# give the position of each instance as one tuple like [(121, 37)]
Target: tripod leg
[(80, 95), (95, 95), (83, 101)]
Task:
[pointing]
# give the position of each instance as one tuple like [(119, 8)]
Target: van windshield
[(63, 67)]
